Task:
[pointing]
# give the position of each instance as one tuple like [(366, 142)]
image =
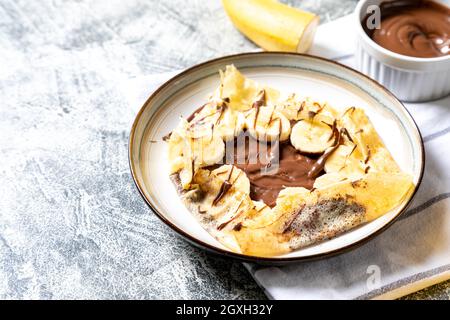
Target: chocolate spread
[(414, 28), (271, 166), (267, 174)]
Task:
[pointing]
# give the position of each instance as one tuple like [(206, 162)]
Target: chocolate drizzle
[(224, 224), (167, 137), (226, 185), (260, 101), (347, 134), (351, 109), (192, 116), (318, 166), (292, 219), (238, 226), (333, 130), (311, 114), (366, 160), (300, 108)]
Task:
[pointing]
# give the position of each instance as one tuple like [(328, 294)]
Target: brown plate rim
[(258, 259)]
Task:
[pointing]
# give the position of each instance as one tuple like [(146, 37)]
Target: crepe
[(355, 179)]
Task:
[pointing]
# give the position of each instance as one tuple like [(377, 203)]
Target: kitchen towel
[(410, 255)]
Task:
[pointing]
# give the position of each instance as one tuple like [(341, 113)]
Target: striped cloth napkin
[(412, 254)]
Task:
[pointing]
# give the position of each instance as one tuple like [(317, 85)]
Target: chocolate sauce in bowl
[(414, 28)]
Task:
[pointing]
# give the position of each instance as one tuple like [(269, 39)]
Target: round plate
[(307, 75)]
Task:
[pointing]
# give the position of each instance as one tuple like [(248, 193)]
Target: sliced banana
[(325, 116), (295, 108), (223, 187), (186, 154), (207, 151), (312, 136), (267, 124), (226, 195), (201, 124), (219, 118), (233, 175), (230, 124), (232, 211), (291, 107)]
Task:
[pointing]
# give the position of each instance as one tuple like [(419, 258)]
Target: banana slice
[(325, 116), (229, 124), (219, 185), (312, 136), (233, 210), (201, 125), (267, 124), (226, 196), (219, 118), (235, 176), (186, 154), (291, 107), (296, 108), (207, 151)]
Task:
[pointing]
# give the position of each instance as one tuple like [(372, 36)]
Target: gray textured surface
[(72, 224)]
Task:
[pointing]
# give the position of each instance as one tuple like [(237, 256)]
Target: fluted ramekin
[(411, 79)]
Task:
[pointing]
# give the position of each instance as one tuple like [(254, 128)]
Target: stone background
[(72, 224)]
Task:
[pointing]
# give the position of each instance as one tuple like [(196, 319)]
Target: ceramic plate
[(312, 76)]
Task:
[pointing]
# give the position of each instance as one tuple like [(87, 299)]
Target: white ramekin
[(409, 78)]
